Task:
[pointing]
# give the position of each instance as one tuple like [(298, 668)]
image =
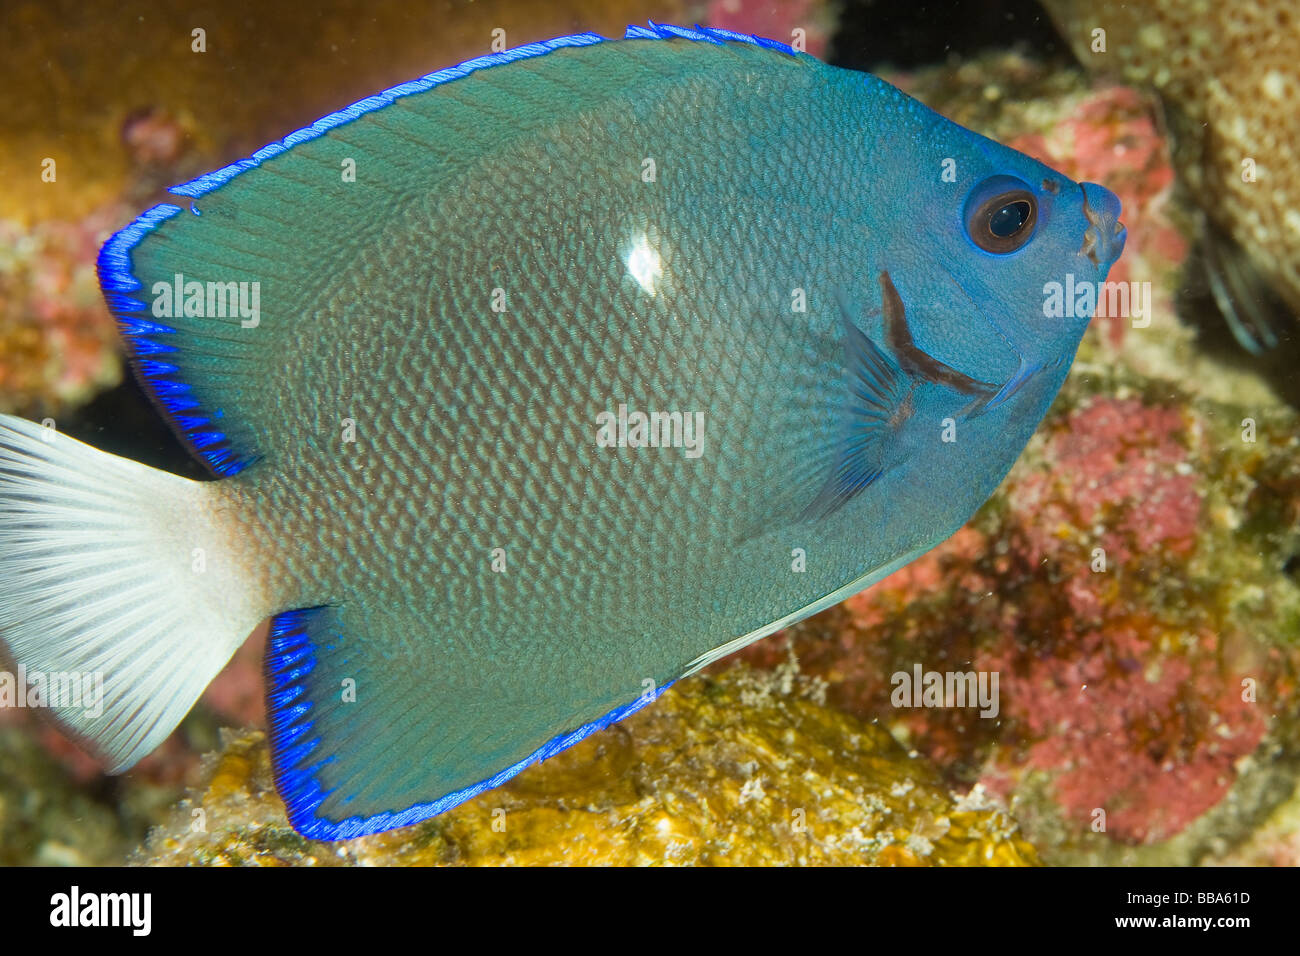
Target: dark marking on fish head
[(914, 360)]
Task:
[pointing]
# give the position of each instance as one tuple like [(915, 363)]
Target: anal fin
[(370, 732)]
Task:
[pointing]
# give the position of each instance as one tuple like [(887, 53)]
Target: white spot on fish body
[(644, 263)]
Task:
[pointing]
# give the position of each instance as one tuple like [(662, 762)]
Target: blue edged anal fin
[(370, 733)]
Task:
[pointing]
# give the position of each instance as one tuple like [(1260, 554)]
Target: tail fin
[(120, 598)]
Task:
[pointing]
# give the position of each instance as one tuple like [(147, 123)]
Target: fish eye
[(1001, 215)]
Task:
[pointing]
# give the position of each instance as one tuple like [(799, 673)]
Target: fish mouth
[(1104, 238)]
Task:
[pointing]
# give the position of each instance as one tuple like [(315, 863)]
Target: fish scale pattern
[(428, 470), (476, 430)]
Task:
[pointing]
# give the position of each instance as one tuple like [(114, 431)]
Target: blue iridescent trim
[(206, 183), (663, 31), (296, 757), (174, 396)]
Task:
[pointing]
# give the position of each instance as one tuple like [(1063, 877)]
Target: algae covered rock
[(1133, 582), (1227, 74), (746, 768), (45, 818)]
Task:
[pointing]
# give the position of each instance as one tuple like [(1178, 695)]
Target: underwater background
[(1135, 581)]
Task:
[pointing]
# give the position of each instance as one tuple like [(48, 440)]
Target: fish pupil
[(1008, 220), (1001, 215)]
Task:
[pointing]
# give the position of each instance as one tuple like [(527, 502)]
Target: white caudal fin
[(120, 592)]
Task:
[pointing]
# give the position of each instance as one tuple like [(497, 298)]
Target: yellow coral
[(743, 769)]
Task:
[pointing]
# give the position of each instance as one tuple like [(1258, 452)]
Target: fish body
[(609, 358)]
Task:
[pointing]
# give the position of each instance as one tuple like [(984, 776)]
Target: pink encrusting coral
[(1120, 467), (1110, 136), (58, 343), (1124, 723), (1138, 710), (1127, 685)]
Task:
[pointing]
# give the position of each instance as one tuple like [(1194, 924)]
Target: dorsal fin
[(283, 221)]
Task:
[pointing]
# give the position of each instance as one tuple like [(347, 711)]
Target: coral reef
[(58, 344), (58, 808), (1131, 580), (1127, 586), (53, 812), (1229, 75), (45, 817), (747, 768)]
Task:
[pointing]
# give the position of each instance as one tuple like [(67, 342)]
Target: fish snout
[(1103, 240)]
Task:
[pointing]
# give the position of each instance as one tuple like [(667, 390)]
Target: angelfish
[(392, 337)]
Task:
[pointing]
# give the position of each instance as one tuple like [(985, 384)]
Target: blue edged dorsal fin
[(716, 35), (264, 237), (353, 757), (877, 404), (154, 344)]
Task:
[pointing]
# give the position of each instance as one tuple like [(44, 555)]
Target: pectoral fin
[(877, 402)]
